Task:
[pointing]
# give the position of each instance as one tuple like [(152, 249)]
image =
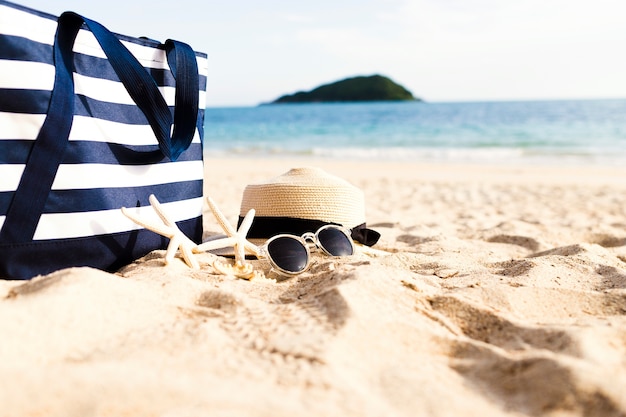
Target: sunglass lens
[(288, 254), (335, 242)]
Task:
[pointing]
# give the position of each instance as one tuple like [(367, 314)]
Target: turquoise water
[(585, 131)]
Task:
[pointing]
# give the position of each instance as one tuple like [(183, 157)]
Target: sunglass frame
[(304, 241), (264, 253), (314, 237)]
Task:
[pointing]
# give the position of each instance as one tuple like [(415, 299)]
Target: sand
[(497, 291)]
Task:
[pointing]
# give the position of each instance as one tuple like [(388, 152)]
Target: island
[(361, 88)]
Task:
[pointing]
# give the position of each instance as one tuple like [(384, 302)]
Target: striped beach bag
[(92, 121)]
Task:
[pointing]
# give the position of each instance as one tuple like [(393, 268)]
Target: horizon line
[(424, 101)]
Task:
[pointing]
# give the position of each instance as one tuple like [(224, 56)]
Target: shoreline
[(503, 172), (513, 157)]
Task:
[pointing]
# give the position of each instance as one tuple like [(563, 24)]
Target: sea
[(535, 132)]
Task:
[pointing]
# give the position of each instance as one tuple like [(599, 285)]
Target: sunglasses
[(290, 255)]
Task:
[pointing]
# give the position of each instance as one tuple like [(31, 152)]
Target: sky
[(441, 50)]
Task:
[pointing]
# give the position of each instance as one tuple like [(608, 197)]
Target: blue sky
[(441, 50)]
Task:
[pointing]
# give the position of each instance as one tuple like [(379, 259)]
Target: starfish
[(178, 240), (169, 229), (236, 239)]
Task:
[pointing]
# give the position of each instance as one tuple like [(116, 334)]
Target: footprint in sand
[(523, 241), (288, 338), (535, 368)]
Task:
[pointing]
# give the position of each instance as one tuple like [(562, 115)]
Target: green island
[(361, 88)]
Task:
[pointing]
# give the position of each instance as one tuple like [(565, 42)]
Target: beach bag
[(90, 122)]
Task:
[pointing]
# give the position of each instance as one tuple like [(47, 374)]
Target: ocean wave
[(564, 132), (467, 155)]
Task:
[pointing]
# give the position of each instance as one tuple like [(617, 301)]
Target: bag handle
[(141, 86), (49, 147)]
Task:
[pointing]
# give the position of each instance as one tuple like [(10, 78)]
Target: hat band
[(266, 227)]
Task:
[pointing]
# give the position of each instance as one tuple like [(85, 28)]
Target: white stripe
[(18, 23), (148, 56), (86, 176), (10, 175), (112, 91), (86, 43), (202, 100), (26, 127), (38, 76), (72, 225), (115, 92), (26, 75), (97, 130), (20, 126)]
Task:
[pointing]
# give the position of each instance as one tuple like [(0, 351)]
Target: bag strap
[(143, 89), (184, 66), (49, 147)]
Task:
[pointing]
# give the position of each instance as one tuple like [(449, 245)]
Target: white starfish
[(169, 229), (178, 240), (236, 239)]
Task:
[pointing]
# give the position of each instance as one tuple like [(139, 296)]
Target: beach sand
[(497, 291)]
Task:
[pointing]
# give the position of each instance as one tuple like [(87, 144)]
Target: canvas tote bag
[(91, 121)]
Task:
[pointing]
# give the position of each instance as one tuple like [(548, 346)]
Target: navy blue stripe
[(36, 102), (15, 151), (24, 101), (74, 201), (16, 48), (69, 201), (114, 112), (85, 152), (108, 252), (20, 49)]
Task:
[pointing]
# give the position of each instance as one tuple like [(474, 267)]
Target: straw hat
[(303, 200)]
